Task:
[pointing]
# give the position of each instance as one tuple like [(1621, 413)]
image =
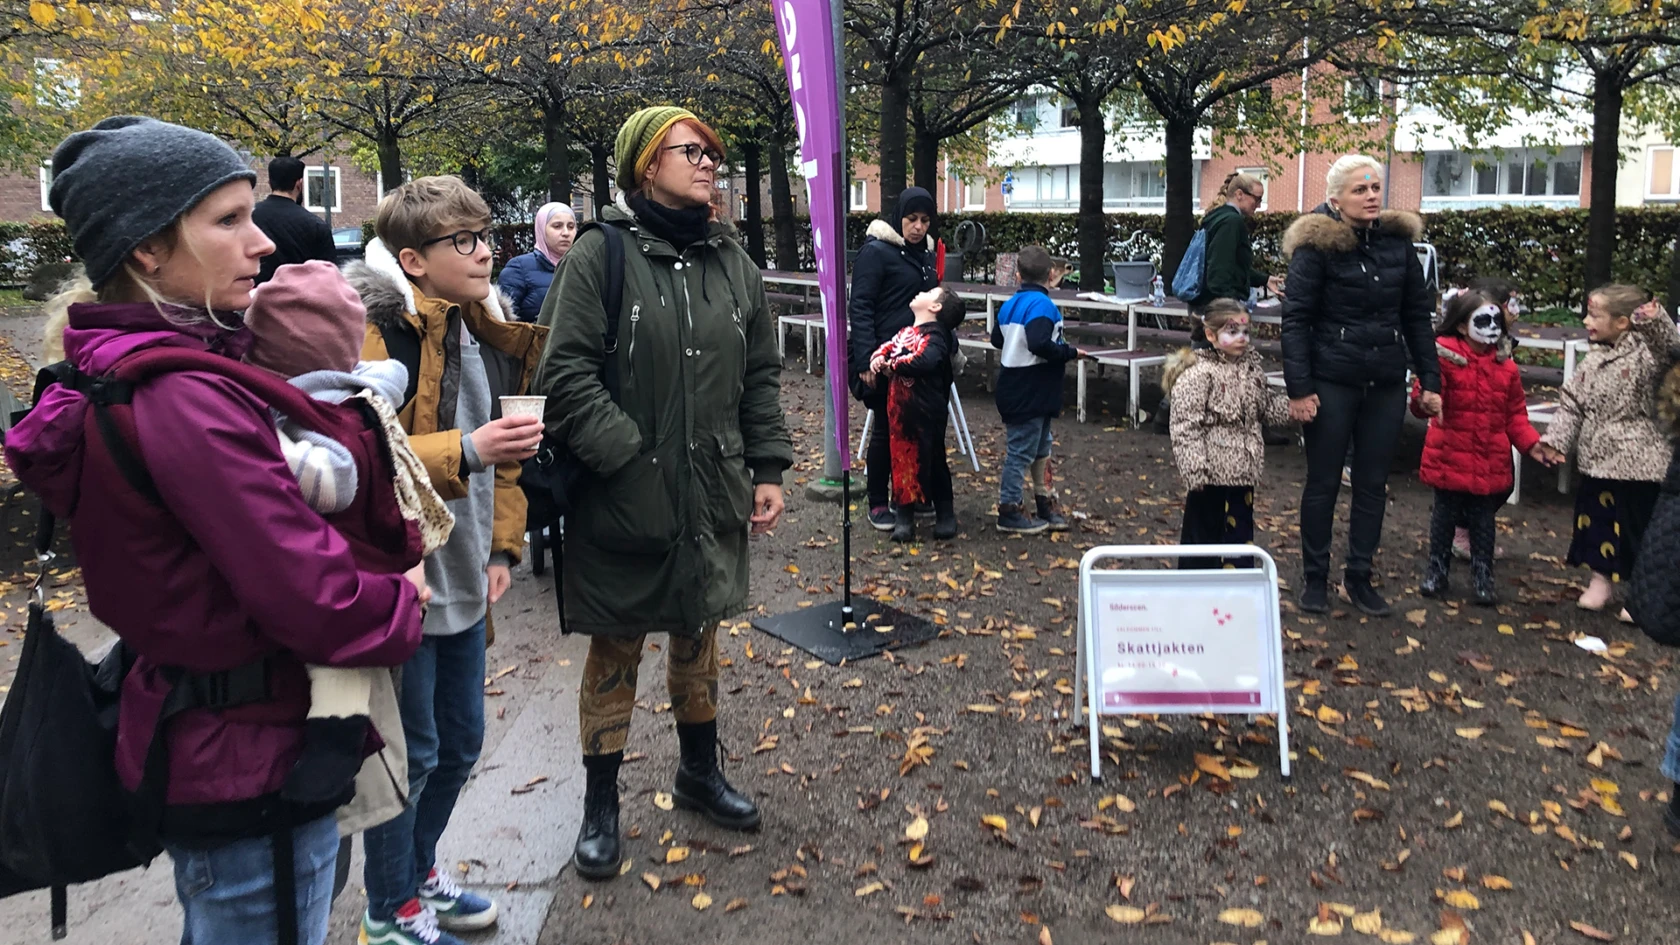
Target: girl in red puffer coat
[(1467, 452)]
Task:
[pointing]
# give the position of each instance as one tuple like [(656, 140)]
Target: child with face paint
[(1219, 403), (1467, 451), (1606, 419), (1504, 293)]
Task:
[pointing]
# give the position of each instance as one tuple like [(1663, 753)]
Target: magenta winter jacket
[(237, 567)]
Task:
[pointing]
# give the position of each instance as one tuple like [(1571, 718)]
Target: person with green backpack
[(1227, 249)]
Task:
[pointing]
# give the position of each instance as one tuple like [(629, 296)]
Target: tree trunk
[(600, 182), (1606, 157), (895, 142), (751, 195), (1093, 225), (1179, 224), (556, 161), (389, 148), (781, 206), (927, 164)]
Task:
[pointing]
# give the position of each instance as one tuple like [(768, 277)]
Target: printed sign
[(1166, 641)]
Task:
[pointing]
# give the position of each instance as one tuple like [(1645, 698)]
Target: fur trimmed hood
[(1324, 231), (379, 279), (882, 230), (1178, 362)]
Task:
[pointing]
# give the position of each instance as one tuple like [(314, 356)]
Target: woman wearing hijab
[(894, 265), (525, 279)]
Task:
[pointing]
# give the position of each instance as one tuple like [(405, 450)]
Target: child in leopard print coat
[(1220, 400)]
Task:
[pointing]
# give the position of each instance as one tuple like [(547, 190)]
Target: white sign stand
[(1179, 642)]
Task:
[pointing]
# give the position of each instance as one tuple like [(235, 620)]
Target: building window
[(1662, 173), (1070, 114), (974, 195), (46, 176), (1047, 188), (1265, 183), (1534, 176), (860, 195), (1026, 111), (1362, 99), (56, 85), (314, 193)]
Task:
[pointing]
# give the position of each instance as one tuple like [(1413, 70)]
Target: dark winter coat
[(525, 280), (1357, 306), (1484, 413), (1033, 358), (1654, 593), (234, 567), (918, 385), (886, 276), (298, 235), (657, 540), (1229, 271)]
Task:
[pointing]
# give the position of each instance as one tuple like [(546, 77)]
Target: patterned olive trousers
[(608, 694)]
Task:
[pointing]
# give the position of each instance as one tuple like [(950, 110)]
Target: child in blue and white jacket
[(1029, 394)]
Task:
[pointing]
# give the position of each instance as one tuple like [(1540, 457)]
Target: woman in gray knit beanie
[(220, 569)]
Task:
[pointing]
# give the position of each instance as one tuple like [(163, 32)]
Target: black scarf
[(680, 228)]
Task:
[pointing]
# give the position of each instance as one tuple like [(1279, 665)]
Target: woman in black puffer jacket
[(1357, 309), (894, 265)]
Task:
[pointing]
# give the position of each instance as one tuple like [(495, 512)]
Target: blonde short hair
[(426, 207), (1343, 170)]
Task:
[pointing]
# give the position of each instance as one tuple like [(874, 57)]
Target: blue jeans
[(227, 893), (1027, 443), (1671, 757), (442, 703)]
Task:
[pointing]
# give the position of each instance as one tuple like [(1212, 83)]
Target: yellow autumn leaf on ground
[(1209, 765), (1462, 899), (662, 800), (1498, 807), (1612, 807), (1438, 676), (1507, 629), (1396, 937), (1492, 881), (734, 904), (1124, 804), (983, 708), (651, 880), (995, 821), (918, 829), (1126, 915), (869, 890), (1605, 787), (1330, 716), (1246, 918), (1628, 858), (701, 901), (1368, 923), (676, 855), (1417, 616), (1341, 908), (1246, 772), (1470, 733), (1454, 820), (1044, 936), (1330, 926)]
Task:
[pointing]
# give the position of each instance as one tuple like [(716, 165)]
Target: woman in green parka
[(1230, 272), (685, 464)]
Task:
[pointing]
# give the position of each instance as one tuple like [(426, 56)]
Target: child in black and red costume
[(918, 362)]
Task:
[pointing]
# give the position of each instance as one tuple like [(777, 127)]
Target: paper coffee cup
[(523, 406)]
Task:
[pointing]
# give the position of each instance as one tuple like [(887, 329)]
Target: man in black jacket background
[(298, 235)]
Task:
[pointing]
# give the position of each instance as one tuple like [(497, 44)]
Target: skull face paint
[(1232, 338), (1486, 325)]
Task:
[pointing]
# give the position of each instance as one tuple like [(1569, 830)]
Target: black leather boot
[(700, 783), (597, 853), (1434, 582), (1481, 582), (904, 529), (945, 521)]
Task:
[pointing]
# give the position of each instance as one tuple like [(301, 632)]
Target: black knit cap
[(130, 177)]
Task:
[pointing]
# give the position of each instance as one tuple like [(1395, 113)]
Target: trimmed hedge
[(23, 246), (1542, 250)]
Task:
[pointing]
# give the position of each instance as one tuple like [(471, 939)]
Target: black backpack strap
[(612, 301), (402, 343)]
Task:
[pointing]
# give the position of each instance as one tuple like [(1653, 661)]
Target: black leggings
[(1218, 515), (877, 453), (1369, 417), (1475, 512)]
